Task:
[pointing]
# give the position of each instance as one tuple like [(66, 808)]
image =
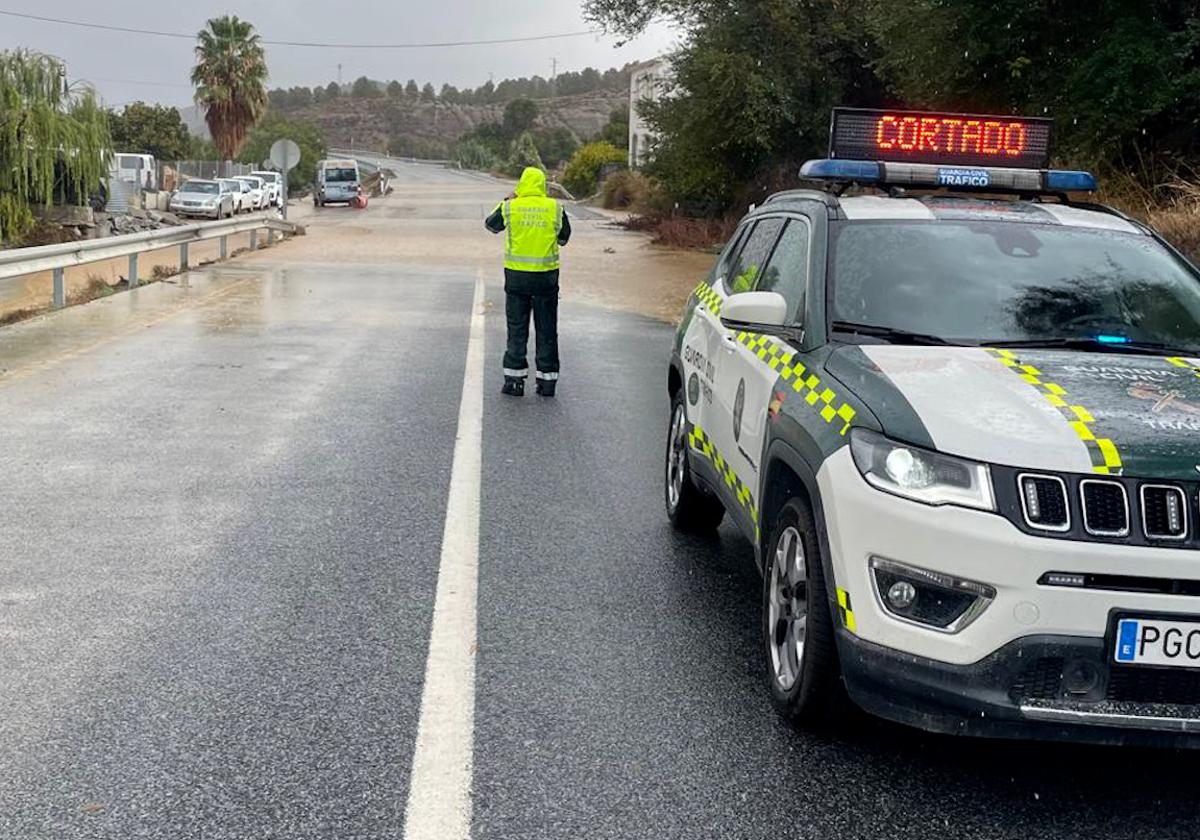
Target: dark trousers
[(536, 293)]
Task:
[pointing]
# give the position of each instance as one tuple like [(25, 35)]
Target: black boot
[(513, 387), (546, 387)]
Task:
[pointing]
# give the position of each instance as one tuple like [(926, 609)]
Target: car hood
[(1057, 410)]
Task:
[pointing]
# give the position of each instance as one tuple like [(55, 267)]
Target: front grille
[(1040, 680), (1164, 512), (1142, 685), (1105, 508), (1044, 502)]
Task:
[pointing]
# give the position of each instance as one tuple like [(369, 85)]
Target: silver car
[(200, 197)]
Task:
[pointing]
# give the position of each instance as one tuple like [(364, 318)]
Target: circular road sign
[(285, 154)]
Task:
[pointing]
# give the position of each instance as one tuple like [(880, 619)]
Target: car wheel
[(798, 636), (688, 507)]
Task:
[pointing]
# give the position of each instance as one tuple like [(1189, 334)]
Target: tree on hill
[(151, 130), (428, 94), (364, 88), (230, 78), (332, 91), (395, 90), (519, 116), (616, 130), (411, 90), (449, 94)]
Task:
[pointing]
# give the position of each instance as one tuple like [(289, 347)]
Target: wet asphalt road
[(218, 556)]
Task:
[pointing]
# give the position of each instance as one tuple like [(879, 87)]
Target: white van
[(337, 181), (138, 169)]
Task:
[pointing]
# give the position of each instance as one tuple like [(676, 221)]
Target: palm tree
[(231, 81)]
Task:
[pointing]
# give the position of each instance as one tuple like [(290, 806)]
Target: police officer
[(536, 227)]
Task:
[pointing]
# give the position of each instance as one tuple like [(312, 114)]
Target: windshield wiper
[(892, 335), (1144, 348)]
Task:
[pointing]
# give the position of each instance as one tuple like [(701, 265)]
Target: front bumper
[(968, 681), (1030, 688)]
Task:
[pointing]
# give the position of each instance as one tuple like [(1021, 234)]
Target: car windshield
[(996, 282), (204, 188), (340, 175)]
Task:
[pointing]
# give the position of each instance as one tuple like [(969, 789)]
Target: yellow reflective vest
[(532, 223)]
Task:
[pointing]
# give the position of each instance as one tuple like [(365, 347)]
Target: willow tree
[(53, 139), (231, 81)]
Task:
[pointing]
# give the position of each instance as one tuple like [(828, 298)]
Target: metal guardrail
[(19, 262)]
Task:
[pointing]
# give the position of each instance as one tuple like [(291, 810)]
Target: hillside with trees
[(415, 119)]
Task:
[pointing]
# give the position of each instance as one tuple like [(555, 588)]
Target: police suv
[(958, 415)]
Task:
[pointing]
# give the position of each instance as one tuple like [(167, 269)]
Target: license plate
[(1153, 641)]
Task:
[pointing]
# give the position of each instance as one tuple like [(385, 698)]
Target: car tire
[(688, 507), (797, 630)]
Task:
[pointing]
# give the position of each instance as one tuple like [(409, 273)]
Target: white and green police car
[(958, 416)]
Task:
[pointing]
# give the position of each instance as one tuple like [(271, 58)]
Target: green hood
[(533, 183), (1043, 409)]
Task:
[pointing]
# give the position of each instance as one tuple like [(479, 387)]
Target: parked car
[(256, 190), (241, 202), (200, 197), (140, 169), (337, 181), (273, 183)]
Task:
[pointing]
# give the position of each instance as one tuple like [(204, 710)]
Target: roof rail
[(828, 199)]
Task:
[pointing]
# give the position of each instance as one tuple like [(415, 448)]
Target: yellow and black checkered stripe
[(1184, 363), (1106, 458), (803, 381), (846, 611), (703, 444), (708, 298)]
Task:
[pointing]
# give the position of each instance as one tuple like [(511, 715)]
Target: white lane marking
[(439, 793)]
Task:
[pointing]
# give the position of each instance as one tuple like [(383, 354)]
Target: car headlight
[(919, 474)]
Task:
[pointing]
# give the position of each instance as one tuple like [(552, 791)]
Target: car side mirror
[(754, 309)]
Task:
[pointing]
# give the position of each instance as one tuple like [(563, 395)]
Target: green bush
[(628, 191), (521, 154), (473, 154), (584, 168)]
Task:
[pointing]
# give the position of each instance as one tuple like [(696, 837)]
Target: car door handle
[(729, 341)]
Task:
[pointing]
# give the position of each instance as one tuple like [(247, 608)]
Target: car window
[(725, 261), (206, 188), (1003, 281), (787, 270), (744, 273)]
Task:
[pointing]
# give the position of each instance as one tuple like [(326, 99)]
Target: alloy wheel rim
[(675, 459), (787, 608)]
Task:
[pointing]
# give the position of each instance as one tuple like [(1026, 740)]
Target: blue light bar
[(862, 171), (1065, 180), (1112, 339), (976, 178)]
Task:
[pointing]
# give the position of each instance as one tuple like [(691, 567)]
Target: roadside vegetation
[(755, 81), (54, 140)]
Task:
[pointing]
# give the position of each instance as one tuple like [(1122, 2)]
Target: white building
[(649, 82)]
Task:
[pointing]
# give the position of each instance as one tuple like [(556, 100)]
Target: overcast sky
[(127, 67)]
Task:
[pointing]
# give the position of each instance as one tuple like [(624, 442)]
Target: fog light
[(901, 594), (932, 599)]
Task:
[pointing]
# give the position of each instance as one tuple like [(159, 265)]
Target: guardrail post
[(253, 240), (132, 280), (183, 257), (224, 247), (60, 289), (270, 236)]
